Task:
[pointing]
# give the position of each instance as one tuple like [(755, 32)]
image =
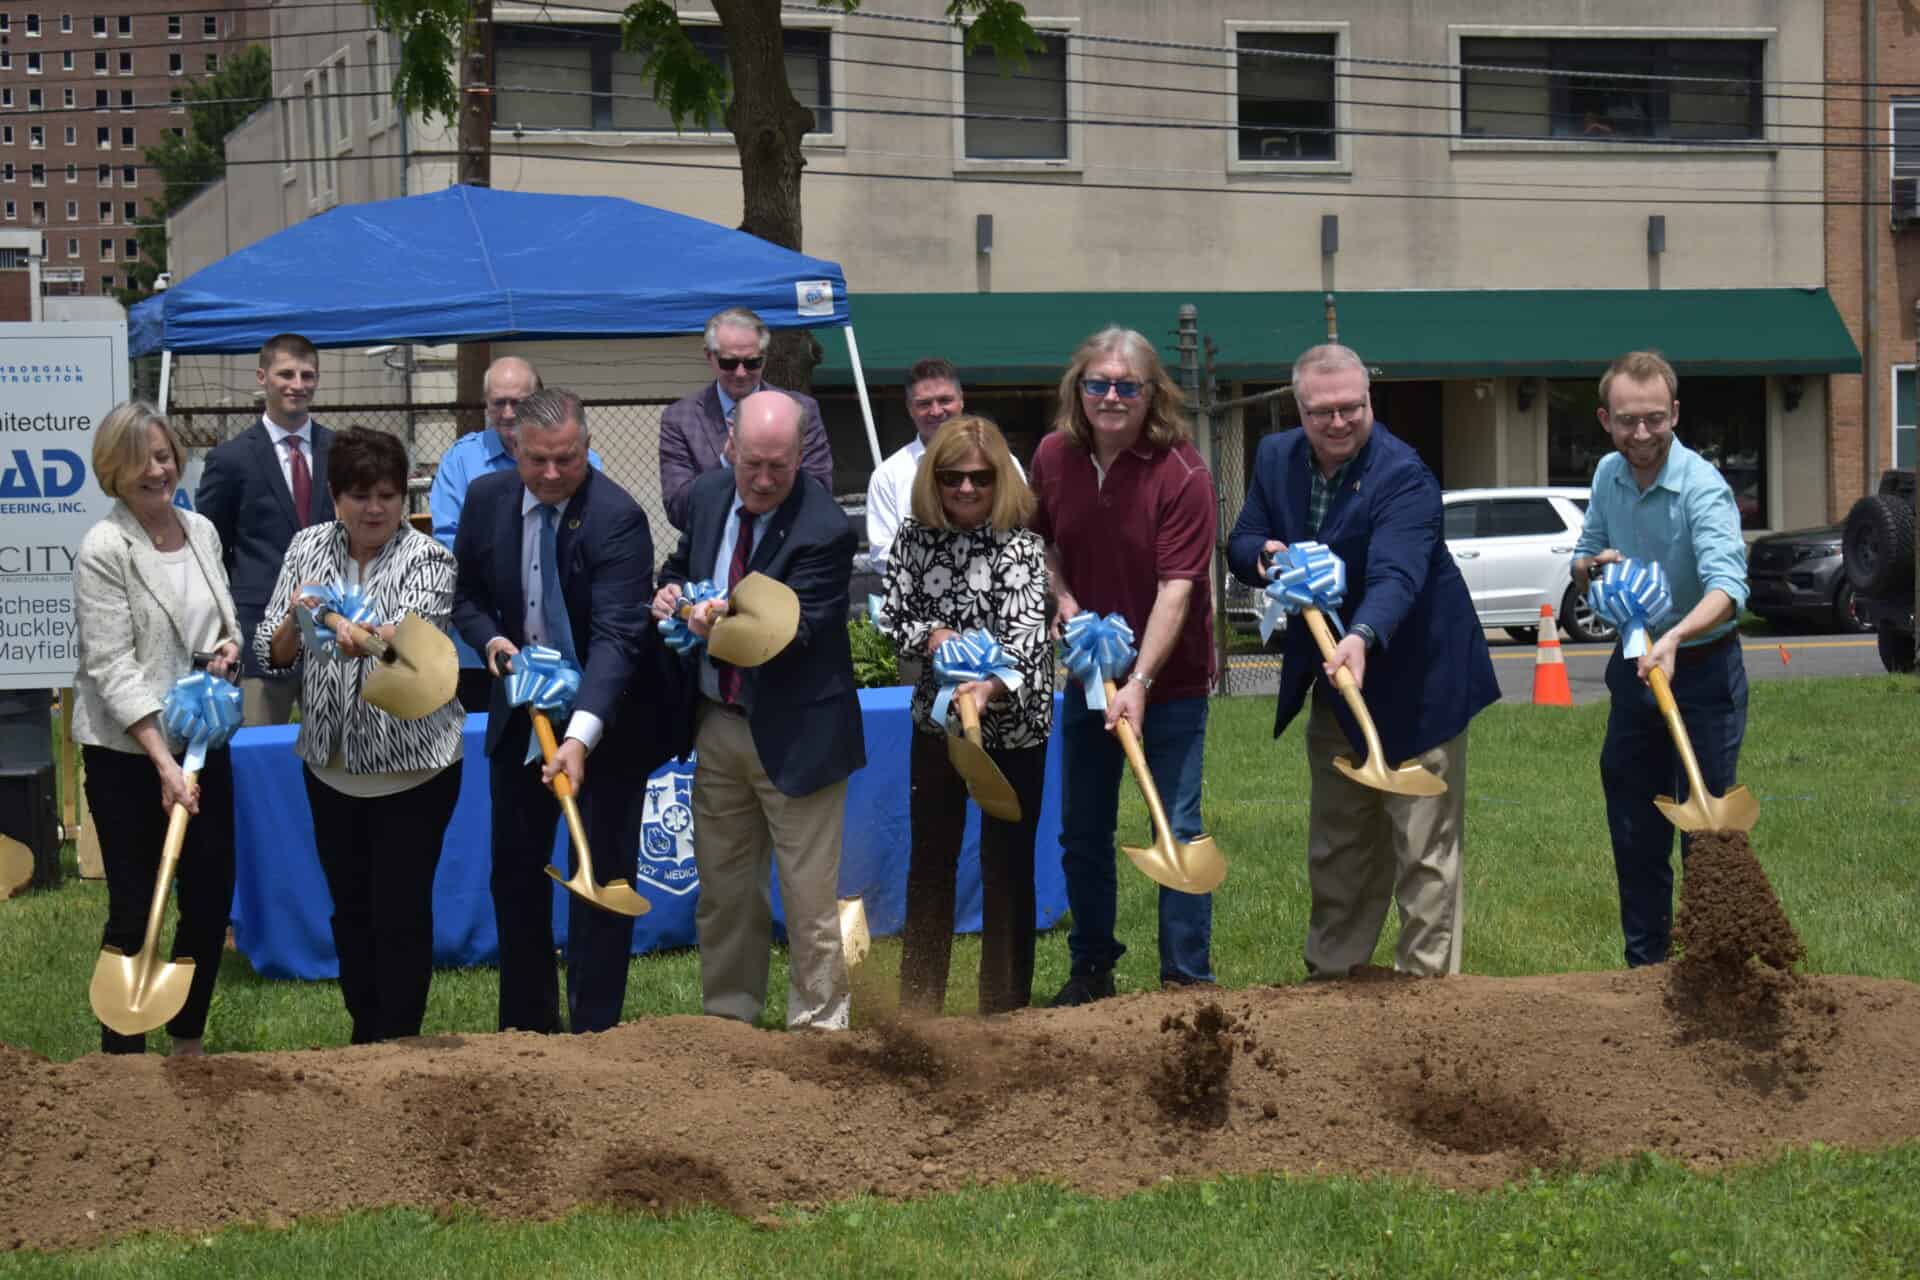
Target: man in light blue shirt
[(508, 381), (1657, 500)]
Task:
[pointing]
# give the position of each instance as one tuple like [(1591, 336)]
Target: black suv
[(1801, 577), (1878, 545)]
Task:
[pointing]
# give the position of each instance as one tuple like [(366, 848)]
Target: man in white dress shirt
[(933, 396)]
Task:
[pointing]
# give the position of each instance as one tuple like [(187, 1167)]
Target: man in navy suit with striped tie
[(554, 553)]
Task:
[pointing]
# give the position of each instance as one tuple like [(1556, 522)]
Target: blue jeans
[(1640, 761), (1091, 766)]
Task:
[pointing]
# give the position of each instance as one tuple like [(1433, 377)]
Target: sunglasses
[(952, 479), (730, 363), (1125, 388)]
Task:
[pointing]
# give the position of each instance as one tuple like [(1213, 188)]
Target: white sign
[(57, 381), (666, 833), (813, 297)]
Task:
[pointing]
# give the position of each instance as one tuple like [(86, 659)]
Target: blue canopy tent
[(471, 264)]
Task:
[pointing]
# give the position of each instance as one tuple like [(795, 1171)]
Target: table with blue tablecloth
[(281, 907)]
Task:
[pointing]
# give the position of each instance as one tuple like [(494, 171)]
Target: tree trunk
[(767, 125)]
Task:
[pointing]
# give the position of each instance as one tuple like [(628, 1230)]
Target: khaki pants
[(1366, 848), (265, 701), (743, 826)]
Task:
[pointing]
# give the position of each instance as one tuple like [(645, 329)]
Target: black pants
[(599, 943), (123, 791), (1006, 879), (379, 854)]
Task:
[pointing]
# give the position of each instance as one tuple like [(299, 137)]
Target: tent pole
[(166, 376), (860, 385)]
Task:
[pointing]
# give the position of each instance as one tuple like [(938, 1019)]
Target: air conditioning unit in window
[(1906, 202)]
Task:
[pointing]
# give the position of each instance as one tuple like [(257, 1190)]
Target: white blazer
[(128, 623)]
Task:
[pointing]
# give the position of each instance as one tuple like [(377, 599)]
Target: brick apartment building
[(1872, 236), (84, 89)]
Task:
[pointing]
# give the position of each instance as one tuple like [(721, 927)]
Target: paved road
[(1513, 663)]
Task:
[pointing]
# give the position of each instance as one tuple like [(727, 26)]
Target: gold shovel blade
[(1737, 810), (616, 896), (1407, 780), (1187, 866), (985, 783), (133, 994), (419, 676), (16, 866), (763, 616), (855, 941)]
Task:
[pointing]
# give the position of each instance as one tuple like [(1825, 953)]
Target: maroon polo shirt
[(1153, 520)]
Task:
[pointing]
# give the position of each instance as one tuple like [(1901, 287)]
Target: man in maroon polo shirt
[(1127, 511)]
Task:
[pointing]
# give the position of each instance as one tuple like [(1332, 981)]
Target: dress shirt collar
[(278, 434), (727, 402)]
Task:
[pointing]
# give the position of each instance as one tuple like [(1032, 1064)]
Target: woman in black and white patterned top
[(381, 789), (964, 561)]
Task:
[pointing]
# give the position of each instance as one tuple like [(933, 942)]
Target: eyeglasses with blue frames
[(1125, 388)]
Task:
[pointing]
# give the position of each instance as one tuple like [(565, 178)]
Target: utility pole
[(476, 170)]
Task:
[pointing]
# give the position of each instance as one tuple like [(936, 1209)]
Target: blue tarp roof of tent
[(471, 263)]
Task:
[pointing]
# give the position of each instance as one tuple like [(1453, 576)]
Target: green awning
[(1026, 338)]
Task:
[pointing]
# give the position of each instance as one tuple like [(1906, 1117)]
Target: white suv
[(1515, 549)]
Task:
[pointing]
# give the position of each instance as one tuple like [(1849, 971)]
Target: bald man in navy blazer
[(1414, 644), (774, 745)]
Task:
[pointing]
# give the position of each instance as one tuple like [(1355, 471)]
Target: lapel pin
[(575, 522)]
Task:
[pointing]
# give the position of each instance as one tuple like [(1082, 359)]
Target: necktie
[(301, 481), (553, 604), (736, 570)]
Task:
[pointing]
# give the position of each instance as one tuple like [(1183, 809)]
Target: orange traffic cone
[(1550, 688)]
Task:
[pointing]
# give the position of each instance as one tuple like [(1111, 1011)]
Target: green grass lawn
[(1834, 765)]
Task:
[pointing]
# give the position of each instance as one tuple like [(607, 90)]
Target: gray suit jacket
[(693, 431), (127, 619)]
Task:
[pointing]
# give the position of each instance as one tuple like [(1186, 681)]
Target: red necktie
[(302, 481), (742, 553)]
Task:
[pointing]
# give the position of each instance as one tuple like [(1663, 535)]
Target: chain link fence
[(625, 433)]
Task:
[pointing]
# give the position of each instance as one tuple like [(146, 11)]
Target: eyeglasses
[(952, 479), (1633, 421), (1345, 412), (730, 363), (1125, 388), (506, 402)]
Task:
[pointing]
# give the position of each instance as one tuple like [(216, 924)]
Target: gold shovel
[(1737, 810), (855, 940), (133, 994), (615, 895), (1409, 779), (417, 669), (985, 783), (1191, 867), (757, 620)]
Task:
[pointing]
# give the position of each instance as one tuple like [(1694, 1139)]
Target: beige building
[(1499, 195)]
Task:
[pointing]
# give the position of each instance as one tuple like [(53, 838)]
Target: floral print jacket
[(962, 579)]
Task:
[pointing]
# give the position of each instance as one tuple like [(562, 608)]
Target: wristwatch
[(1145, 682)]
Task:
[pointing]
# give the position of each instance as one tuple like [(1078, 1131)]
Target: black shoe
[(1084, 988)]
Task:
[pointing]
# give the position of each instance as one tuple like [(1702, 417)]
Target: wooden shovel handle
[(685, 608), (366, 639), (969, 718), (543, 730)]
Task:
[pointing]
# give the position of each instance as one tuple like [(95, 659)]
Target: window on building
[(126, 99), (1285, 101), (176, 64), (37, 137), (210, 27), (130, 251), (6, 60), (39, 213), (126, 136), (99, 62), (106, 249), (106, 284), (318, 117), (13, 212), (67, 99), (177, 131), (33, 26), (33, 63), (73, 246), (6, 23), (106, 213), (130, 211), (6, 135), (33, 100), (1573, 87), (213, 63), (173, 26), (177, 101), (1038, 93), (6, 172), (103, 177), (99, 26), (1904, 418), (379, 83), (37, 175), (1724, 420), (66, 24), (126, 62), (103, 138), (66, 59), (127, 174), (70, 135), (1905, 114), (73, 211), (579, 77), (73, 173), (126, 26), (6, 98)]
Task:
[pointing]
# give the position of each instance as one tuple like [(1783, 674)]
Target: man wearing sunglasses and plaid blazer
[(693, 430)]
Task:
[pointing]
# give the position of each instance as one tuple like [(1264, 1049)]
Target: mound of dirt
[(1466, 1081)]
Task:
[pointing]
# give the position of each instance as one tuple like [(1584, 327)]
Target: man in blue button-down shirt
[(1655, 499)]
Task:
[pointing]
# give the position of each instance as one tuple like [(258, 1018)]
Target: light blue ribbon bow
[(674, 629), (971, 655), (546, 681), (349, 602), (1632, 595), (1098, 649), (1306, 574), (202, 710), (877, 611)]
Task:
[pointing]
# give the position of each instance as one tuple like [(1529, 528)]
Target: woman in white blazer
[(382, 790), (149, 592)]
